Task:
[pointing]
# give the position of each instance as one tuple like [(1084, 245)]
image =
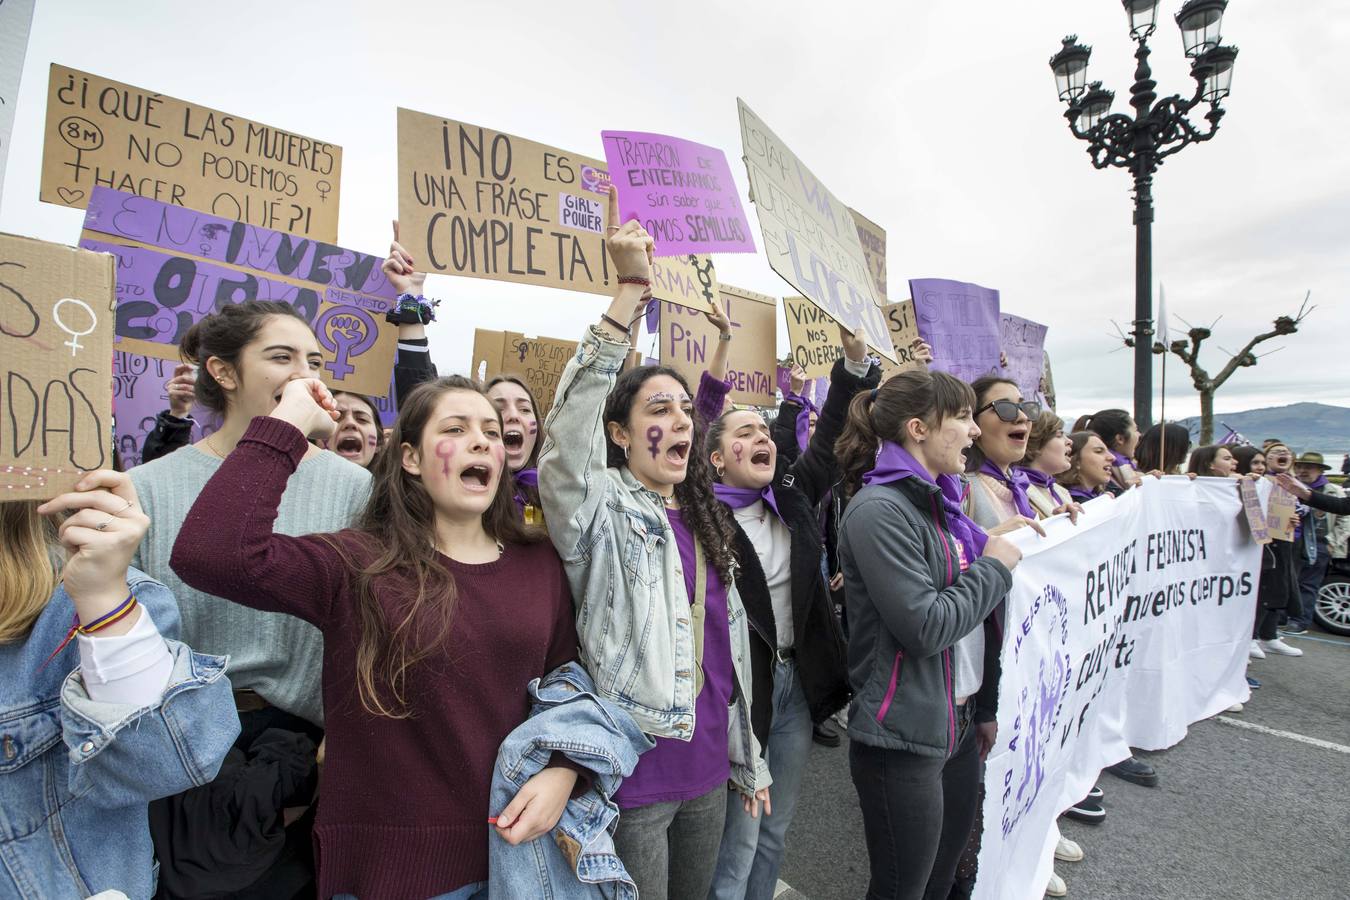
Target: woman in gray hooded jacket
[(919, 575)]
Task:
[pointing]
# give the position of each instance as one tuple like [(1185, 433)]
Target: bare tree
[(1207, 385)]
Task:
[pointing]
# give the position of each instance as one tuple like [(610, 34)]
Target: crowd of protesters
[(482, 654)]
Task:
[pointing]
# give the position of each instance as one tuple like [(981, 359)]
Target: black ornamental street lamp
[(1142, 141)]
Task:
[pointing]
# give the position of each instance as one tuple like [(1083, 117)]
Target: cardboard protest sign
[(167, 280), (482, 203), (681, 192), (1252, 512), (960, 322), (56, 344), (485, 204), (813, 337), (16, 17), (1023, 343), (537, 361), (873, 239), (103, 132), (1281, 514), (809, 236), (688, 341), (904, 336), (1048, 382)]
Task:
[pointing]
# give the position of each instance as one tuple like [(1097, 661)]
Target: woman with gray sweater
[(919, 575)]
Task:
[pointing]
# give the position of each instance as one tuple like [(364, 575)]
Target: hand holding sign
[(181, 390), (854, 343), (308, 405), (717, 317), (400, 268), (100, 536), (629, 245)]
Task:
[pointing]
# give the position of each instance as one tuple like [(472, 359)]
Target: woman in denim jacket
[(647, 550), (93, 729)]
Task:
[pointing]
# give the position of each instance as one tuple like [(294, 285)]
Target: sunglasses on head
[(1007, 409)]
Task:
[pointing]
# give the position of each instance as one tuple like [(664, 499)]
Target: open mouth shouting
[(677, 454), (350, 445), (476, 478), (513, 439), (1019, 435), (761, 458)]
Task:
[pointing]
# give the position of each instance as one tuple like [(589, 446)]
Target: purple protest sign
[(960, 322), (140, 393), (1023, 343), (192, 233), (814, 390), (682, 193), (159, 297)]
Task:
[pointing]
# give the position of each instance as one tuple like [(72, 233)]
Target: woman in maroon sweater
[(428, 643)]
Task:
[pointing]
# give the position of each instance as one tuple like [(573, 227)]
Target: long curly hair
[(707, 518), (398, 525)]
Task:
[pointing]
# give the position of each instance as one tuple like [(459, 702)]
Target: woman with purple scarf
[(796, 648), (919, 576), (999, 498)]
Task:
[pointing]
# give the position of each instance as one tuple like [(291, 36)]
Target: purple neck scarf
[(740, 498), (803, 419), (1319, 484), (895, 463), (1017, 482), (1119, 460), (1036, 477), (1082, 494), (525, 478)]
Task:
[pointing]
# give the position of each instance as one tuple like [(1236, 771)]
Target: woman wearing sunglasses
[(996, 499)]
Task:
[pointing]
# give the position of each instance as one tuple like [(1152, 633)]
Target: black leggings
[(917, 815), (1267, 621)]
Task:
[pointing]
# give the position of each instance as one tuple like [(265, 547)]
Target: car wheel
[(1332, 612)]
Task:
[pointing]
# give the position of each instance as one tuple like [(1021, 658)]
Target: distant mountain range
[(1303, 426)]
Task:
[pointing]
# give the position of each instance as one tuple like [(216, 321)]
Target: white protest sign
[(1119, 632), (810, 237)]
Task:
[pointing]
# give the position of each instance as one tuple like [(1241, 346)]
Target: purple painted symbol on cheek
[(654, 434), (534, 427), (444, 451), (738, 450)]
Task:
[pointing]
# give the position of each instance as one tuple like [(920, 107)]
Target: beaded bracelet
[(412, 309), (635, 279), (115, 615)]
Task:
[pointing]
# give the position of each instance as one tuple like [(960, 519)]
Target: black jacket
[(817, 641), (169, 434)]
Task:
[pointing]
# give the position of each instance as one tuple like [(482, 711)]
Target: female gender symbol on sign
[(74, 343)]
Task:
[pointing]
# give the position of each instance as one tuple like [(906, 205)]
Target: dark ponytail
[(880, 415), (224, 335), (1109, 425)]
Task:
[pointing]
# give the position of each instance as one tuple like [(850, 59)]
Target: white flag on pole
[(1163, 333)]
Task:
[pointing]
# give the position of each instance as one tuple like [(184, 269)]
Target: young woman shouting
[(796, 647), (648, 551), (437, 609)]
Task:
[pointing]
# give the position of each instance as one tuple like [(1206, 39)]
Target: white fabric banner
[(16, 17), (1120, 632)]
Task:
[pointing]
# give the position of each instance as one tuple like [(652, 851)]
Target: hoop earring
[(721, 471), (625, 451)]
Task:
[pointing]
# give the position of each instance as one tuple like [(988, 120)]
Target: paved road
[(1241, 814)]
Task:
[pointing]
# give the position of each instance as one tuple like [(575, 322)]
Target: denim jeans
[(670, 849), (917, 815), (752, 849), (1310, 576)]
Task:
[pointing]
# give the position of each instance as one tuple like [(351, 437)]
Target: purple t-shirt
[(676, 770)]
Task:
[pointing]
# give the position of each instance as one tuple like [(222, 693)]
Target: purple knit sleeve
[(712, 393)]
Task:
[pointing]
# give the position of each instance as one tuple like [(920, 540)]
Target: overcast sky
[(938, 121)]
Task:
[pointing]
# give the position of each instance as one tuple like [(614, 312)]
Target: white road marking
[(1290, 735)]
